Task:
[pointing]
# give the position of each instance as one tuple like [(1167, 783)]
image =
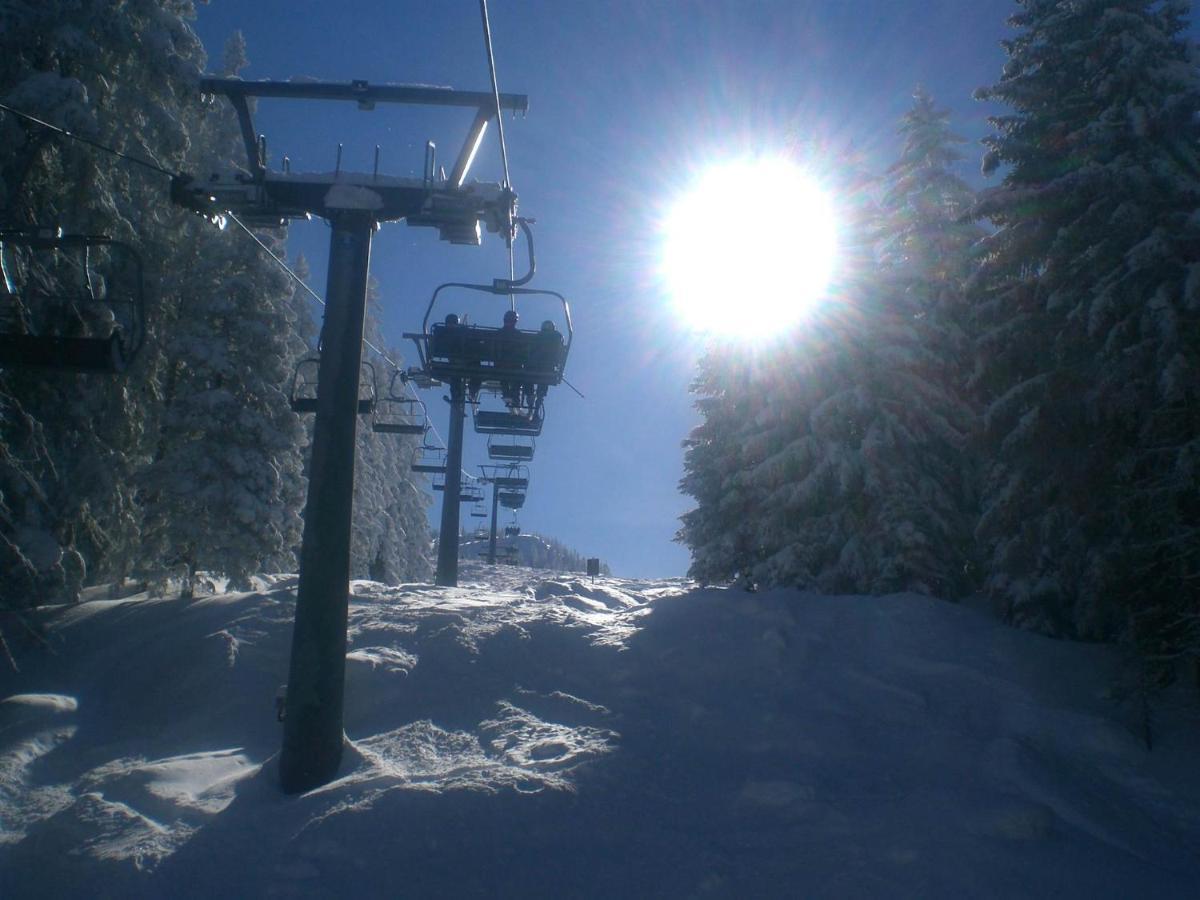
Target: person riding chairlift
[(546, 356), (507, 351)]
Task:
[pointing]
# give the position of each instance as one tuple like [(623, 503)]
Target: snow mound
[(516, 735)]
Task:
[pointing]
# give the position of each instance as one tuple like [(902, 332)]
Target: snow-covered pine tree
[(389, 531), (221, 491), (918, 467), (1088, 359), (776, 465), (124, 78), (716, 530)]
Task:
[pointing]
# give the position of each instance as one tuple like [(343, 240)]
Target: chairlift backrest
[(490, 421), (511, 447), (305, 382), (69, 302)]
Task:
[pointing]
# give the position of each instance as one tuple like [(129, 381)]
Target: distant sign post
[(593, 568)]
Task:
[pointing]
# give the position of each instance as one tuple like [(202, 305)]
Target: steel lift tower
[(354, 204)]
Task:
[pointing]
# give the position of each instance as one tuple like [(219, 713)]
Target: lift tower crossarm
[(366, 96), (264, 198)]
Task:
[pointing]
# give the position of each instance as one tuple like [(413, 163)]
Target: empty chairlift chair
[(69, 302), (507, 478), (429, 460), (398, 413), (303, 397), (517, 448)]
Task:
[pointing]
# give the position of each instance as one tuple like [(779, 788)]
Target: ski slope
[(534, 735)]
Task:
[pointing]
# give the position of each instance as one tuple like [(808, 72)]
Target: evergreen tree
[(919, 435), (220, 493), (124, 78), (1088, 356)]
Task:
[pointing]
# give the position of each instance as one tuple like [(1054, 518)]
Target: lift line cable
[(491, 59), (76, 137)]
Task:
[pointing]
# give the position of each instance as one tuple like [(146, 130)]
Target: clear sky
[(628, 98)]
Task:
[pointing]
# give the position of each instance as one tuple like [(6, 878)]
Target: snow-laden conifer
[(74, 442), (1089, 348)]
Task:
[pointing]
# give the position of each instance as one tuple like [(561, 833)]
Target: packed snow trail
[(533, 734)]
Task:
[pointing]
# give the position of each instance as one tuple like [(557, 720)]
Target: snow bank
[(532, 734)]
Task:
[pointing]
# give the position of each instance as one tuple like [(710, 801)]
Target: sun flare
[(748, 248)]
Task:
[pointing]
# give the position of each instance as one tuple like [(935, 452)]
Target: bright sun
[(748, 248)]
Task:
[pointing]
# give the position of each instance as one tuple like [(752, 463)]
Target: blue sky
[(627, 101)]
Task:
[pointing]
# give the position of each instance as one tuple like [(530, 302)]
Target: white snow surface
[(530, 734)]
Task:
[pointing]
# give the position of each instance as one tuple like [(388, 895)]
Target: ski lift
[(429, 460), (398, 413), (510, 477), (512, 499), (500, 360), (512, 530), (303, 397), (470, 493), (71, 302), (508, 422), (513, 447), (478, 511)]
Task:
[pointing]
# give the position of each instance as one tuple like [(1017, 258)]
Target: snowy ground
[(529, 734)]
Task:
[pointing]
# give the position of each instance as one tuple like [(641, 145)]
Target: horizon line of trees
[(1003, 393)]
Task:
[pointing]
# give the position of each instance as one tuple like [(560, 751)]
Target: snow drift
[(532, 734)]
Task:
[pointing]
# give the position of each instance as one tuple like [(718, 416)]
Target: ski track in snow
[(520, 734)]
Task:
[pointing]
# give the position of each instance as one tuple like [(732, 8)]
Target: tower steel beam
[(447, 564), (312, 727), (492, 537)]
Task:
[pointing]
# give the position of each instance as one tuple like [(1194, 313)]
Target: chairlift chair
[(429, 460), (303, 397), (398, 413), (497, 358), (512, 499), (512, 530), (470, 493), (510, 447), (512, 424), (70, 302), (510, 477)]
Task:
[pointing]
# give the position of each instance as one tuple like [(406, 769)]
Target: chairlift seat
[(309, 405), (511, 499), (397, 428), (67, 353), (429, 468), (397, 414), (495, 355), (491, 421), (511, 481), (510, 451)]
